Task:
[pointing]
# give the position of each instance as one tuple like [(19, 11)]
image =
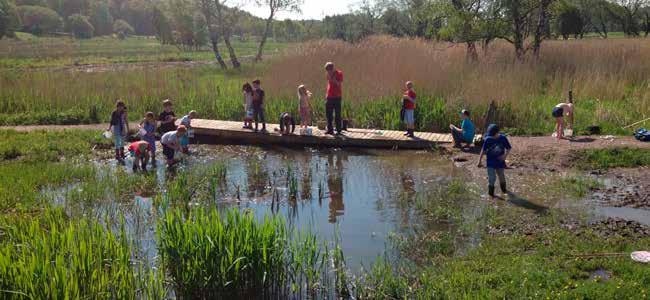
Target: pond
[(359, 198)]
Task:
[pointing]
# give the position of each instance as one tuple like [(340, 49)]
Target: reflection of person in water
[(335, 186), (258, 177)]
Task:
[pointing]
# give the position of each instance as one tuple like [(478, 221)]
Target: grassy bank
[(592, 159), (29, 51)]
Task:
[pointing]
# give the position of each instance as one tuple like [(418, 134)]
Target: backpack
[(642, 135)]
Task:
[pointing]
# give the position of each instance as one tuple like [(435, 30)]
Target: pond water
[(360, 198)]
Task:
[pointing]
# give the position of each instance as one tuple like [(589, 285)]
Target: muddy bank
[(624, 188)]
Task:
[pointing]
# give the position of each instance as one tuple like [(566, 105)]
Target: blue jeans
[(492, 176)]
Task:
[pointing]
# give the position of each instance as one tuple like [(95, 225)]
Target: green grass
[(538, 267), (591, 159), (44, 97), (52, 257), (40, 146), (577, 186), (30, 52)]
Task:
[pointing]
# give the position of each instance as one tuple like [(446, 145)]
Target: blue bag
[(642, 135)]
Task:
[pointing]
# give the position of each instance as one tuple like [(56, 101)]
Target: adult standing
[(334, 96)]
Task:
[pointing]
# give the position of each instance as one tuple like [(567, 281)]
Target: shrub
[(101, 19), (122, 29), (39, 20), (80, 26), (9, 18)]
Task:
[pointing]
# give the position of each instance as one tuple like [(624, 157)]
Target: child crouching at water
[(187, 122), (120, 128), (149, 125), (171, 143), (304, 97), (140, 152), (496, 147)]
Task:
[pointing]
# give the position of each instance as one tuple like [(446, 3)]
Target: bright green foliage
[(211, 254), (123, 29), (611, 158), (52, 257), (47, 145), (541, 266), (80, 26), (9, 18), (39, 20)]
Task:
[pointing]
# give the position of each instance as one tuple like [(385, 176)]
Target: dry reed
[(378, 67)]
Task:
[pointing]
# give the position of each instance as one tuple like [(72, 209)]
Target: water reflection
[(335, 185)]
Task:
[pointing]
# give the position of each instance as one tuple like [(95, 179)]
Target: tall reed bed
[(211, 254), (51, 257)]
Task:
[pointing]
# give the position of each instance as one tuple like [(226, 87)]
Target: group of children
[(495, 148), (174, 139), (254, 109)]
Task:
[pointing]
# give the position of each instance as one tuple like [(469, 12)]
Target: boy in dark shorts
[(167, 118), (258, 105)]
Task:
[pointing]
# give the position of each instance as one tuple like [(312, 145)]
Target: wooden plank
[(215, 131)]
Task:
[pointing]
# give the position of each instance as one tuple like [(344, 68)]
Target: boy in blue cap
[(496, 147)]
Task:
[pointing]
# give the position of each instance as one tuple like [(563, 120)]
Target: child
[(187, 122), (140, 153), (409, 109), (258, 105), (558, 113), (466, 131), (247, 89), (167, 118), (120, 128), (304, 96), (171, 143), (149, 126), (287, 123), (496, 147)]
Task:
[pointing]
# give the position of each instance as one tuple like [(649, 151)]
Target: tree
[(569, 20), (101, 19), (122, 28), (162, 26), (9, 19), (275, 6), (226, 20), (627, 14), (208, 9), (79, 26), (526, 17), (39, 20), (396, 22)]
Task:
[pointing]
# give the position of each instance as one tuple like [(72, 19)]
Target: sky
[(311, 9)]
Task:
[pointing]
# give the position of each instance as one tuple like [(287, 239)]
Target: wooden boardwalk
[(231, 132)]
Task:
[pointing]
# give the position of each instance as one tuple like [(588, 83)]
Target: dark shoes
[(491, 191), (503, 188), (330, 132)]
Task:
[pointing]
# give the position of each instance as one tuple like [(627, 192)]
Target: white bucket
[(142, 132), (306, 131), (107, 134)]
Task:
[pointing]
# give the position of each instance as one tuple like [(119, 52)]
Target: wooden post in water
[(490, 115)]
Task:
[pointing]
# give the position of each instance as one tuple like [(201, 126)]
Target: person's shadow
[(582, 140), (524, 203)]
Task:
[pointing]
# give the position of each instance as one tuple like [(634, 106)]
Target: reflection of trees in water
[(305, 185), (258, 176), (335, 185)]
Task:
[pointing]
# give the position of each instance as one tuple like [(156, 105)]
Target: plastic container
[(142, 132), (107, 134)]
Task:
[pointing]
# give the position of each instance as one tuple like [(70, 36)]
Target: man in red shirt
[(334, 95)]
